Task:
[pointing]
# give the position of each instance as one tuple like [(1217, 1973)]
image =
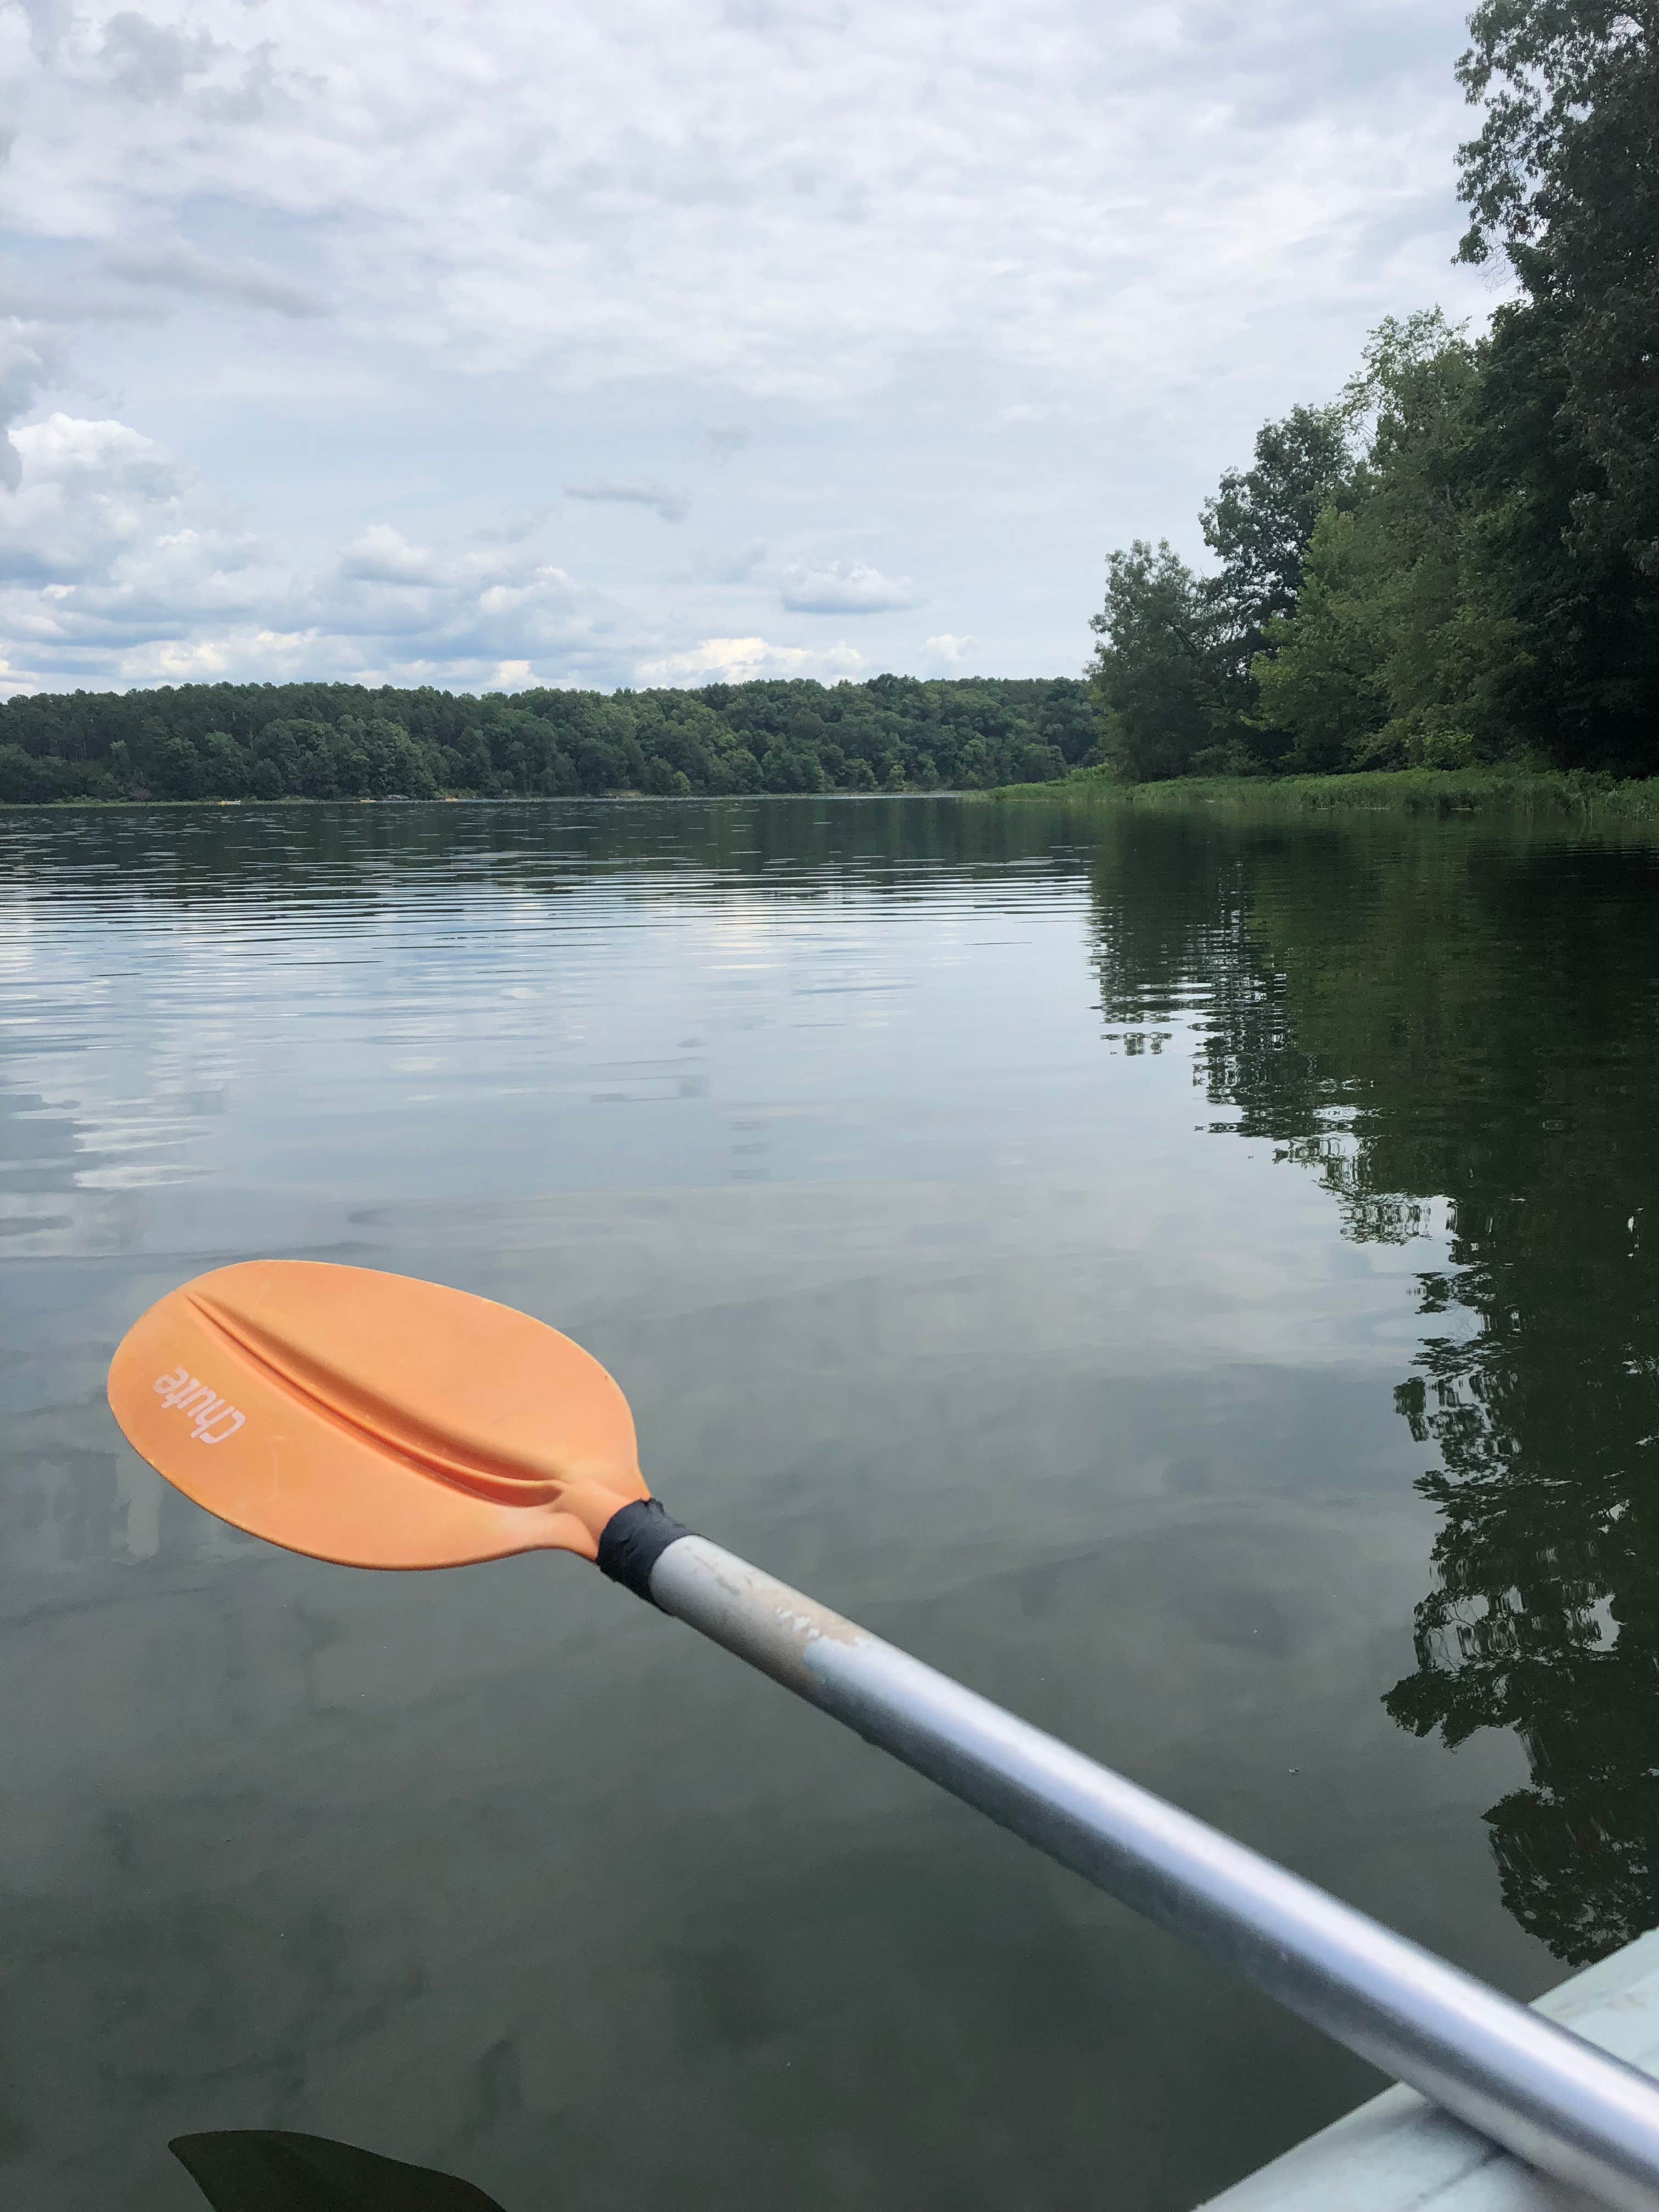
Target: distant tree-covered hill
[(344, 741)]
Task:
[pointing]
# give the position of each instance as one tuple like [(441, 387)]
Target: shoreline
[(1576, 794), (510, 799), (1573, 793)]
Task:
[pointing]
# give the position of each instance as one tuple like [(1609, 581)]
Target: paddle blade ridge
[(374, 1419)]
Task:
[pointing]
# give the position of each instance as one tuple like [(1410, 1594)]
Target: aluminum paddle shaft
[(1539, 2090)]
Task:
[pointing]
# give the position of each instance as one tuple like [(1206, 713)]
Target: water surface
[(1189, 1281)]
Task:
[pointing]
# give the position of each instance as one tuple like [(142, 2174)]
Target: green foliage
[(1396, 652), (1563, 176), (1449, 610), (1262, 519), (1165, 673), (210, 742), (1319, 683), (1458, 562), (1593, 802), (1173, 674), (25, 779)]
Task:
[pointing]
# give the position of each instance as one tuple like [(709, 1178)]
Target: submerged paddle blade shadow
[(269, 2170)]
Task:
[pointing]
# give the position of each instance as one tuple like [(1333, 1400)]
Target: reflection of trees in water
[(352, 858), (1462, 1014)]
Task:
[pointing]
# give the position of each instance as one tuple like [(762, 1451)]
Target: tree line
[(1455, 561), (231, 741)]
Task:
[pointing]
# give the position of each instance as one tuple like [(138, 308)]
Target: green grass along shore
[(1423, 790)]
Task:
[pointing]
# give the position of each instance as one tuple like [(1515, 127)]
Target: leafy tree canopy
[(1261, 519), (1457, 560), (1564, 178), (1165, 672), (265, 741)]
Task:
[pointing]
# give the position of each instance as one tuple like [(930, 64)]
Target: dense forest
[(1455, 561), (342, 741)]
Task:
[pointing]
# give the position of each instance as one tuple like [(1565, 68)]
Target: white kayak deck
[(1399, 2154)]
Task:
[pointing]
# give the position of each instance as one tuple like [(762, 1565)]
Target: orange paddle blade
[(374, 1419)]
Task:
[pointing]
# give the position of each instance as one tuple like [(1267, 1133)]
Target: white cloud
[(150, 61), (90, 498), (737, 567), (115, 564), (844, 588), (787, 201), (176, 267), (741, 659), (633, 491), (381, 554), (513, 529), (993, 284), (464, 612), (950, 650), (29, 357)]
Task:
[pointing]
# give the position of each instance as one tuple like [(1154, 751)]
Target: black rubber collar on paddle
[(633, 1539)]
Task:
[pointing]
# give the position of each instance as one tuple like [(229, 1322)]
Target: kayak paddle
[(273, 2170), (382, 1422)]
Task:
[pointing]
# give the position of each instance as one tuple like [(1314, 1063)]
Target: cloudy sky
[(477, 343)]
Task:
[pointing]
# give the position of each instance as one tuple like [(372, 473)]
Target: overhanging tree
[(1564, 178)]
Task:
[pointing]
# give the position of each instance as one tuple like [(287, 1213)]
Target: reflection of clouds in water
[(131, 1043), (140, 1489), (1002, 1353), (1031, 1430), (311, 1022)]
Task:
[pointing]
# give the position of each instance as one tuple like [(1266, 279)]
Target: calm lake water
[(1192, 1282)]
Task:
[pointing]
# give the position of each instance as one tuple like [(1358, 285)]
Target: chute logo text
[(211, 1419)]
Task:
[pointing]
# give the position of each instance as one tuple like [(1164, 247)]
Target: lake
[(1191, 1280)]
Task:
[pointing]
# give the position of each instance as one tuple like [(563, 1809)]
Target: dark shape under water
[(270, 2170)]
